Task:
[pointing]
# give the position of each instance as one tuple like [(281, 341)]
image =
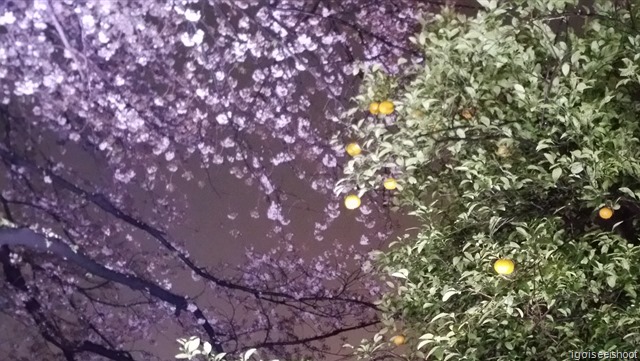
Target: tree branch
[(106, 205), (316, 338), (14, 277), (29, 238)]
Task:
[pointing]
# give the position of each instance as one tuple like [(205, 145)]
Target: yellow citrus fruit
[(399, 340), (386, 107), (605, 212), (390, 184), (352, 201), (353, 149), (373, 108), (503, 151), (504, 266), (467, 113)]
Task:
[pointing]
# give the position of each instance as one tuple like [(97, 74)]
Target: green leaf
[(437, 351), (522, 232), (556, 173), (551, 157), (440, 315), (427, 103), (206, 348), (611, 281), (576, 168), (427, 336), (565, 69), (519, 88), (423, 343), (627, 191), (630, 290), (542, 145), (484, 3), (624, 263), (247, 355), (448, 294), (581, 87), (192, 344), (470, 91), (403, 273)]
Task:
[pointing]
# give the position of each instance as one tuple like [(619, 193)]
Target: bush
[(521, 123)]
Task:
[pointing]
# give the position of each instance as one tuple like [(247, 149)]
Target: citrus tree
[(515, 143)]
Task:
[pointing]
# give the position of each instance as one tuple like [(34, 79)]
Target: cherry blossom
[(110, 109)]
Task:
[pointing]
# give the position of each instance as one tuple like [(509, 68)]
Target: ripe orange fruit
[(386, 107), (352, 201), (605, 212), (374, 108), (353, 149), (504, 266), (390, 183), (399, 340)]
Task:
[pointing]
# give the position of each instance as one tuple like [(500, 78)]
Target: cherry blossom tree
[(106, 104)]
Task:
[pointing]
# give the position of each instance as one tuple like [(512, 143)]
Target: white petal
[(191, 15), (198, 37), (186, 40)]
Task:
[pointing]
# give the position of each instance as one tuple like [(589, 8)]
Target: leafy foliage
[(519, 125), (194, 347)]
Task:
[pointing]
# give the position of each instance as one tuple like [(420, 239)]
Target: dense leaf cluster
[(517, 128)]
